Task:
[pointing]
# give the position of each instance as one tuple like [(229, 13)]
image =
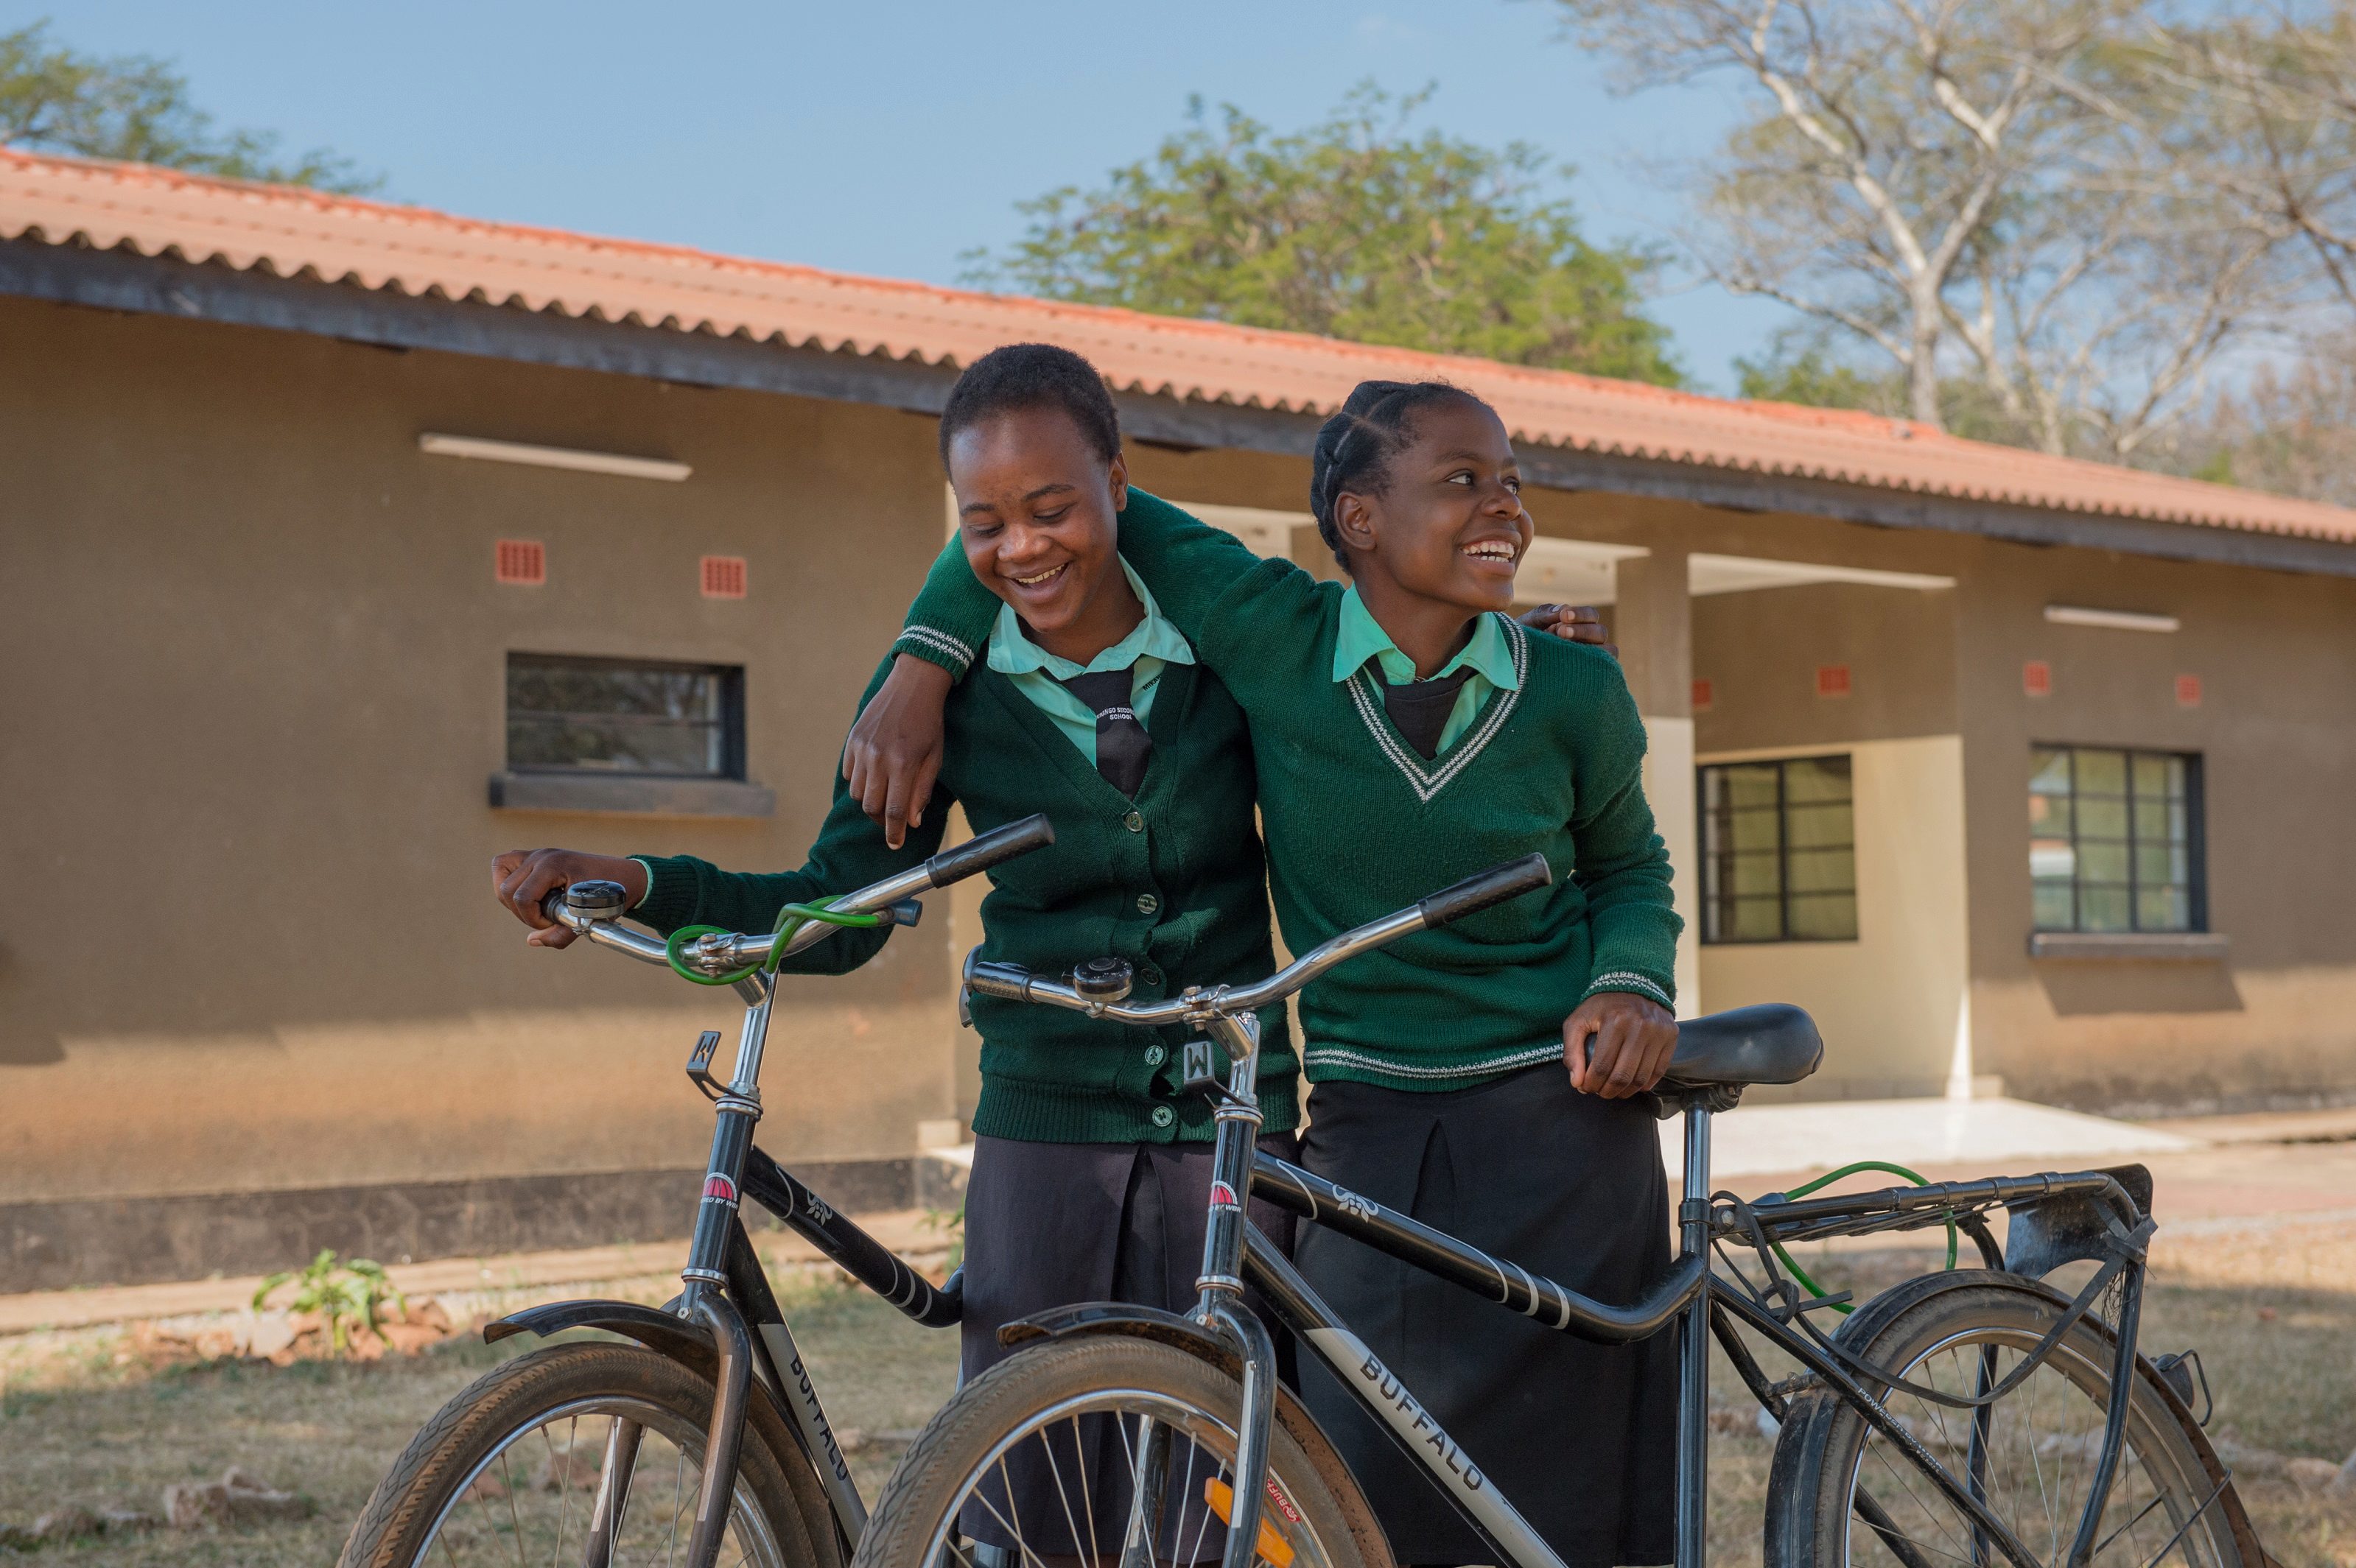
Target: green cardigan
[(1174, 882), (1359, 825)]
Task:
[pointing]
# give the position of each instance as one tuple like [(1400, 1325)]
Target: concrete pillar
[(1652, 619)]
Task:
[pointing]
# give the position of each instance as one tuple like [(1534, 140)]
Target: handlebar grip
[(983, 850), (1009, 981), (1484, 889)]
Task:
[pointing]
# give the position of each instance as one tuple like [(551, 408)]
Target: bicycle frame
[(725, 1320), (2111, 1229)]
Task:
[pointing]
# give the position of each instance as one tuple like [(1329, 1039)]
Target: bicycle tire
[(1960, 1333), (458, 1483), (1328, 1524)]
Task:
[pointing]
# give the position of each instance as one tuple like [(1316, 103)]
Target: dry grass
[(77, 1425)]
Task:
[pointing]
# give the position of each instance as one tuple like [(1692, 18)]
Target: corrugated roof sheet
[(418, 252)]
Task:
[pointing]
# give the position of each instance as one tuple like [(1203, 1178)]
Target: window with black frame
[(1778, 852), (573, 715), (2114, 840)]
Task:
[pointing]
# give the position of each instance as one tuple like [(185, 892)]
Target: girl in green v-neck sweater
[(1440, 1060), (1359, 825)]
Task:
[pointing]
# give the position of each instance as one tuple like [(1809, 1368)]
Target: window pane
[(1819, 827), (1824, 917), (2051, 858), (1750, 876), (612, 715), (1809, 779), (2099, 862), (2049, 814), (2102, 772), (1751, 785), (2163, 908), (2103, 909), (1824, 871), (2053, 905), (1756, 920), (2158, 863), (2049, 771), (2099, 819), (2158, 775)]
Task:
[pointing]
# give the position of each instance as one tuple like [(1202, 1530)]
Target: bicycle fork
[(1221, 1305), (738, 1108)]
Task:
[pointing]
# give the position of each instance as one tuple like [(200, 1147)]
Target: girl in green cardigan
[(1408, 734), (1091, 1170)]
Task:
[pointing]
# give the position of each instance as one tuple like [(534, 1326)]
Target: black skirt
[(1580, 1437), (1047, 1225)]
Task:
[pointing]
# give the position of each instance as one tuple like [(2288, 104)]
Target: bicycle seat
[(1774, 1042)]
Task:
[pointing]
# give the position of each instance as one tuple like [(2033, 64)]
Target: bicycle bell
[(1102, 979), (596, 900)]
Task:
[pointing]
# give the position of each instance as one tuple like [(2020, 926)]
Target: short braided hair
[(1033, 375), (1355, 448)]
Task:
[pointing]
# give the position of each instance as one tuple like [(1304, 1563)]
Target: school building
[(345, 545)]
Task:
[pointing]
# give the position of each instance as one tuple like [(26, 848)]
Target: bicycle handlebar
[(1012, 981), (593, 908)]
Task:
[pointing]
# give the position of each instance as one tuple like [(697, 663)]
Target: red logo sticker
[(720, 1187), (1223, 1195)]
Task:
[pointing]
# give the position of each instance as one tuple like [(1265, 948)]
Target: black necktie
[(1123, 748), (1419, 710)]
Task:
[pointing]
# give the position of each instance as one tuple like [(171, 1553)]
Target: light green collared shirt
[(1360, 638), (1035, 672)]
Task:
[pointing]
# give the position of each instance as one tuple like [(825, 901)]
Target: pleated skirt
[(1580, 1437)]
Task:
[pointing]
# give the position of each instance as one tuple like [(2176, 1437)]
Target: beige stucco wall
[(2276, 1021), (254, 688), (1886, 1003)]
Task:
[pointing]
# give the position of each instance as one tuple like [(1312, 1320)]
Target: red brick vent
[(1832, 680), (723, 576), (1703, 695), (2188, 691), (2037, 678), (521, 561)]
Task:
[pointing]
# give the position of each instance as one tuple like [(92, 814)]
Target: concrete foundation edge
[(146, 1240)]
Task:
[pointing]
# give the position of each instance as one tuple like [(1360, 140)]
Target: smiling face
[(1038, 512), (1447, 524)]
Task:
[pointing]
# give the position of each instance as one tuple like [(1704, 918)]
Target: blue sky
[(882, 138)]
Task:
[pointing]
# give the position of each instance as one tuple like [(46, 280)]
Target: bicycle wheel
[(1049, 1457), (516, 1471), (1841, 1493)]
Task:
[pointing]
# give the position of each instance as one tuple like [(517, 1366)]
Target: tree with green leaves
[(138, 109), (1354, 228)]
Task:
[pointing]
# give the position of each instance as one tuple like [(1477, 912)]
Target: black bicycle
[(1976, 1416), (705, 1440)]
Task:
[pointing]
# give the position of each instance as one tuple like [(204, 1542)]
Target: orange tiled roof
[(415, 250)]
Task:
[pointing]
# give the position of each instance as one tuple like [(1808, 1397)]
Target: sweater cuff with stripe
[(936, 646), (1646, 986)]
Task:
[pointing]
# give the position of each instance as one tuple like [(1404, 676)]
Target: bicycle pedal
[(699, 1064)]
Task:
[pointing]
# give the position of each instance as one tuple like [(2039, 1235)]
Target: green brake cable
[(790, 919), (1827, 1180)]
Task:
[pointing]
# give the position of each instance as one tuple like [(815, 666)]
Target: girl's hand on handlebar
[(1618, 1043), (1572, 624), (894, 751), (522, 877)]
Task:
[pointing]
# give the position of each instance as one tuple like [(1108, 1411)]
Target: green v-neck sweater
[(1174, 882), (1359, 825)]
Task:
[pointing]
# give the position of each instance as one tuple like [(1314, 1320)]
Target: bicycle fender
[(1098, 1318), (685, 1341)]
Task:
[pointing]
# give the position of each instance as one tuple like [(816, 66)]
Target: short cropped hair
[(1033, 375)]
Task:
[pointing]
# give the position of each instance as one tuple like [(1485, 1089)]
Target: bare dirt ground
[(2255, 1266)]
